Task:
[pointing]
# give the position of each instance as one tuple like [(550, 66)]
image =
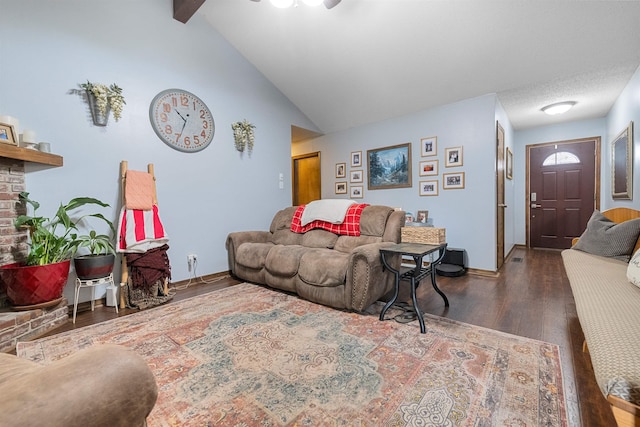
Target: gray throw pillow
[(606, 238)]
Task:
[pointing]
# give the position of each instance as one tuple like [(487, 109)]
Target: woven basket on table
[(425, 235)]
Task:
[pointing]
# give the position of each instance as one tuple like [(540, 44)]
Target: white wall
[(626, 109), (48, 48), (468, 214)]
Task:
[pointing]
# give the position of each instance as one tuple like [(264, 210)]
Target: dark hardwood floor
[(531, 297)]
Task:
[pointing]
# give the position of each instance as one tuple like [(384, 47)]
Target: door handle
[(533, 205), (502, 205)]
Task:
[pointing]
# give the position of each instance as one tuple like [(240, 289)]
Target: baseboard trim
[(209, 278), (484, 273)]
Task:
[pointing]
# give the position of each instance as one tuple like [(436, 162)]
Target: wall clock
[(181, 120)]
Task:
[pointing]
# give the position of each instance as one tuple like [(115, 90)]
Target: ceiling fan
[(287, 3)]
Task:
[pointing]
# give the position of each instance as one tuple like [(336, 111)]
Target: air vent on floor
[(516, 259)]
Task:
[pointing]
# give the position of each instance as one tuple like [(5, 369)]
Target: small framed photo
[(356, 159), (356, 176), (357, 191), (341, 170), (422, 216), (509, 167), (429, 188), (341, 188), (8, 134), (429, 146), (453, 157), (429, 168), (408, 217), (452, 181)]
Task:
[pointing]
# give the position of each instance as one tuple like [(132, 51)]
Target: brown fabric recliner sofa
[(343, 272), (102, 386)]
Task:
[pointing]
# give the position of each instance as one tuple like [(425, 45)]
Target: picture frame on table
[(8, 134), (509, 166), (341, 170), (428, 168), (356, 159), (422, 216), (341, 187), (622, 164), (453, 181), (357, 192), (389, 167), (429, 146), (356, 176), (429, 188), (452, 157)]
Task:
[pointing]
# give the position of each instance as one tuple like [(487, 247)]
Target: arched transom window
[(561, 158)]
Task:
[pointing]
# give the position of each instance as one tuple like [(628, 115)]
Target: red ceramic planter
[(30, 285)]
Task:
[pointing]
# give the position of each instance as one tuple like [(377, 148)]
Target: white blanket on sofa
[(329, 210)]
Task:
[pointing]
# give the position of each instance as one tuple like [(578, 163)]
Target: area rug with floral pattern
[(250, 356)]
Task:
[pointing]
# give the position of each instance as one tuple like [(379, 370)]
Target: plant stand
[(92, 284)]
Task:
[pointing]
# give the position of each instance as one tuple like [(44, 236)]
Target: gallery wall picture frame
[(341, 187), (509, 166), (452, 157), (453, 181), (356, 159), (429, 188), (356, 176), (622, 165), (428, 168), (389, 167), (429, 146), (8, 134), (341, 170), (357, 192)]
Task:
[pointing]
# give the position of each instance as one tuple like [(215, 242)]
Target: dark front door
[(563, 191)]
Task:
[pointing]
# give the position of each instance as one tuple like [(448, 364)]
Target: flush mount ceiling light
[(288, 3), (558, 108)]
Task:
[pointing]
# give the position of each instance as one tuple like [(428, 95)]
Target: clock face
[(181, 120)]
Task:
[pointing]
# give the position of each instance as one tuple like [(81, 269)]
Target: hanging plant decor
[(243, 135), (102, 99)]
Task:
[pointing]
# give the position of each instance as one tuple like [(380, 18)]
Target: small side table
[(92, 283), (417, 251)]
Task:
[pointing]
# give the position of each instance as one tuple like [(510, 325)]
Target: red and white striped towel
[(139, 230)]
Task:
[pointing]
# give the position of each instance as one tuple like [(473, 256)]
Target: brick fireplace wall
[(19, 325), (13, 243)]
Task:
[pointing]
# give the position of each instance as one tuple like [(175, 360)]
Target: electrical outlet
[(191, 261)]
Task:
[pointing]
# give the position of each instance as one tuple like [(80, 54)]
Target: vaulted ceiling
[(365, 61)]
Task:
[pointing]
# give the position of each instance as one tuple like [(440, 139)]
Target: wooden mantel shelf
[(29, 155)]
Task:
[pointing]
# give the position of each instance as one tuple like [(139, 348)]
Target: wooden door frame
[(500, 186), (294, 176), (597, 163)]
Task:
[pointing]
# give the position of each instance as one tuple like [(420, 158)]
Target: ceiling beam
[(183, 10)]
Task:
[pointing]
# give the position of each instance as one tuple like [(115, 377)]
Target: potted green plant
[(41, 278), (101, 257)]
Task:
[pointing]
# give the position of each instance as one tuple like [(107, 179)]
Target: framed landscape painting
[(389, 167)]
